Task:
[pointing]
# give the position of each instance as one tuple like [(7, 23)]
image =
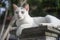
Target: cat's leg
[(19, 30), (53, 21)]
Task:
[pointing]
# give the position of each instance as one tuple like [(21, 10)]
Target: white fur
[(25, 21)]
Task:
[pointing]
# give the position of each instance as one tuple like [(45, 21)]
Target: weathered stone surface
[(50, 38), (33, 32), (40, 33), (35, 38), (40, 38), (51, 34)]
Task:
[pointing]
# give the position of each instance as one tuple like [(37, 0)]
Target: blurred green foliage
[(42, 7)]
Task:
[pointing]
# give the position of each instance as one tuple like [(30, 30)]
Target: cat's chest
[(20, 22)]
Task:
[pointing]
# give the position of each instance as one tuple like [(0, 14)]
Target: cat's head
[(20, 12)]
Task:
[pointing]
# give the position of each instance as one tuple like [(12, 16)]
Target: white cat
[(24, 20)]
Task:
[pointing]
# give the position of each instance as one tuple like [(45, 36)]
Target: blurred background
[(37, 8)]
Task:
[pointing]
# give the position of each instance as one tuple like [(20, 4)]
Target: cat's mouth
[(20, 17)]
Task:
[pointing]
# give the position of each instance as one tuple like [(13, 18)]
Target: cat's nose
[(18, 16)]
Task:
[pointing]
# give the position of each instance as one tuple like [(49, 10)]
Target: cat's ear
[(15, 6), (26, 7)]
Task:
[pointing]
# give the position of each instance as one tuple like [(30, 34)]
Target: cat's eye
[(22, 12), (17, 12)]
